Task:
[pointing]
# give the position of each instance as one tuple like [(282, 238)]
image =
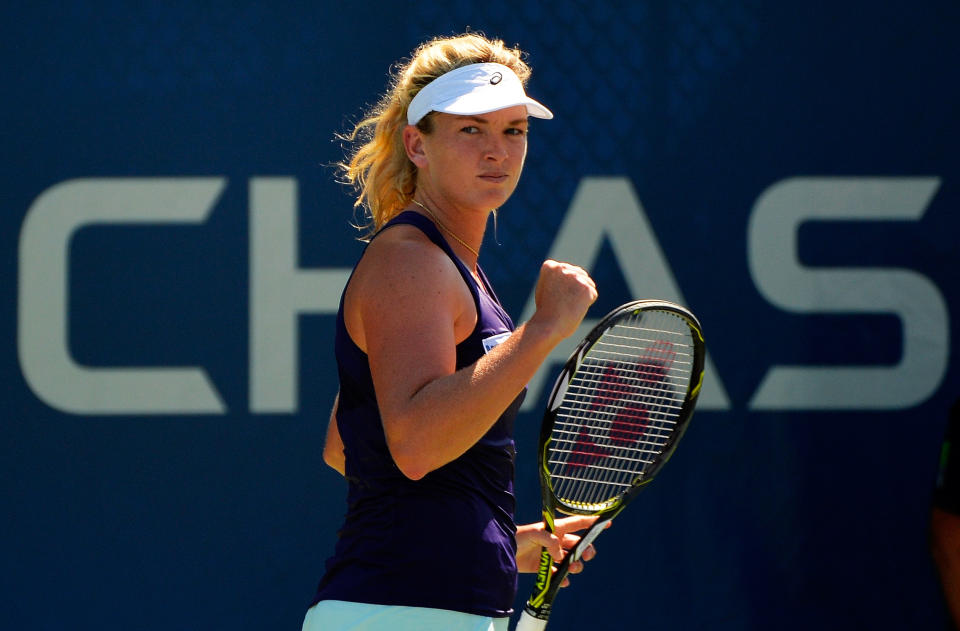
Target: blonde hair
[(378, 168)]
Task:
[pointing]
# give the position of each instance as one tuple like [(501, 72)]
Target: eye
[(516, 131), (471, 129)]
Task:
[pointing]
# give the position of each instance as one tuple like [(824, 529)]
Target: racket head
[(619, 407)]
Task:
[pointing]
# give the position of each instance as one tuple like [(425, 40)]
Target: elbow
[(406, 450), (414, 474), (411, 466)]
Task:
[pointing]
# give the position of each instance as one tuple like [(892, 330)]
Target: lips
[(494, 177)]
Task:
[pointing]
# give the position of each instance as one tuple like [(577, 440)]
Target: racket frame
[(549, 577)]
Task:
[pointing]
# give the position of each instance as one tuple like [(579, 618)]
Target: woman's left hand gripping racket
[(616, 413)]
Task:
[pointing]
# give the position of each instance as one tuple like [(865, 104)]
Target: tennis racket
[(616, 413)]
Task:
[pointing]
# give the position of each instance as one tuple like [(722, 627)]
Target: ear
[(413, 143)]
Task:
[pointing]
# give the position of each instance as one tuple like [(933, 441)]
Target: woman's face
[(473, 162)]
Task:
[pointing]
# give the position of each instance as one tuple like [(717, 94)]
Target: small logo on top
[(496, 78)]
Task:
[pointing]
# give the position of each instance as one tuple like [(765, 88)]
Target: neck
[(445, 226)]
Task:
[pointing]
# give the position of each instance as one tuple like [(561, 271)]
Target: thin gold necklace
[(446, 229)]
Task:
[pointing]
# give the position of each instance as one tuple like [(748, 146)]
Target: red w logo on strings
[(620, 383)]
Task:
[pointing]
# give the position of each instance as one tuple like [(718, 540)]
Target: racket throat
[(588, 538)]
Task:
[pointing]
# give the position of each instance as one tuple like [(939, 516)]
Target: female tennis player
[(432, 370)]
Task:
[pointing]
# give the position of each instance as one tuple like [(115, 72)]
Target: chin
[(498, 198), (494, 204)]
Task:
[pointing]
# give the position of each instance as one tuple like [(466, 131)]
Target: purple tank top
[(445, 541)]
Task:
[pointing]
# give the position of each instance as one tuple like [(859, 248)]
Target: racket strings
[(620, 409), (642, 382)]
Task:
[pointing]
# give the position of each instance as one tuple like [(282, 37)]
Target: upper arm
[(408, 306), (945, 550), (333, 446), (945, 531)]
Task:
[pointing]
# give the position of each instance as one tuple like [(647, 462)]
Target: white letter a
[(607, 207)]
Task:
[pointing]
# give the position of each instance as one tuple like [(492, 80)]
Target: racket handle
[(530, 623)]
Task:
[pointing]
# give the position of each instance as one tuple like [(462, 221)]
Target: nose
[(496, 149)]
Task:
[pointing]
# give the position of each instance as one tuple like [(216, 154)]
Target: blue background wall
[(712, 124)]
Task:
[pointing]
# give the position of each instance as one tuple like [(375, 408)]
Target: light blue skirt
[(339, 615)]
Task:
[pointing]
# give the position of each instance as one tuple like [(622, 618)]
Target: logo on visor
[(496, 78)]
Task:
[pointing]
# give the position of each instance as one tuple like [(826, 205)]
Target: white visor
[(473, 89)]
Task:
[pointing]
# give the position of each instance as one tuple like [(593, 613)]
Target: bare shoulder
[(404, 277), (404, 252), (403, 262)]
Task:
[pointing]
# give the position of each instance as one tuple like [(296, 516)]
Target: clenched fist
[(563, 295)]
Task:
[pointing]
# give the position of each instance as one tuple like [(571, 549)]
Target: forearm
[(449, 414)]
